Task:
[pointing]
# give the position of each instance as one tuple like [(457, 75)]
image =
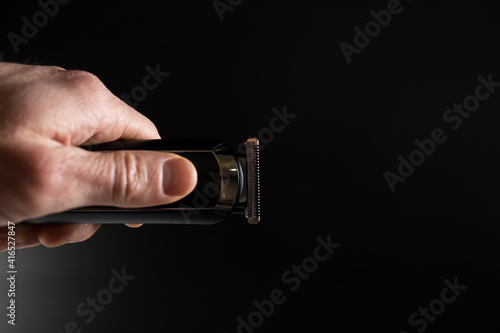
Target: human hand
[(45, 113)]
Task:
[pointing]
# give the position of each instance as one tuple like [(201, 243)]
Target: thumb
[(135, 178)]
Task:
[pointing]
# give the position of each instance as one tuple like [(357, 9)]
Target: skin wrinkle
[(127, 126), (103, 125), (63, 138), (115, 175), (85, 232), (130, 177)]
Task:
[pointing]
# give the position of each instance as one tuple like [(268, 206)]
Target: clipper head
[(252, 181)]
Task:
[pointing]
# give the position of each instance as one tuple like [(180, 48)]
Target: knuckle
[(55, 69), (83, 78), (130, 178), (82, 232), (79, 74), (84, 85)]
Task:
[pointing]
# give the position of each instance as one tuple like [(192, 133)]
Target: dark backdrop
[(323, 175)]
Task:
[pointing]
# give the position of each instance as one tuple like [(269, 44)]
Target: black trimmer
[(228, 183)]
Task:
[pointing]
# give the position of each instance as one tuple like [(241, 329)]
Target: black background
[(322, 175)]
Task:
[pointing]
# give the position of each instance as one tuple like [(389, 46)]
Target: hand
[(45, 113)]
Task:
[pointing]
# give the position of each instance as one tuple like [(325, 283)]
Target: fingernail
[(179, 177)]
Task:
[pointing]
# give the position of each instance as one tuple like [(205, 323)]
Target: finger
[(71, 177), (135, 178), (138, 225), (113, 119), (52, 235), (60, 178), (87, 112), (120, 121)]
